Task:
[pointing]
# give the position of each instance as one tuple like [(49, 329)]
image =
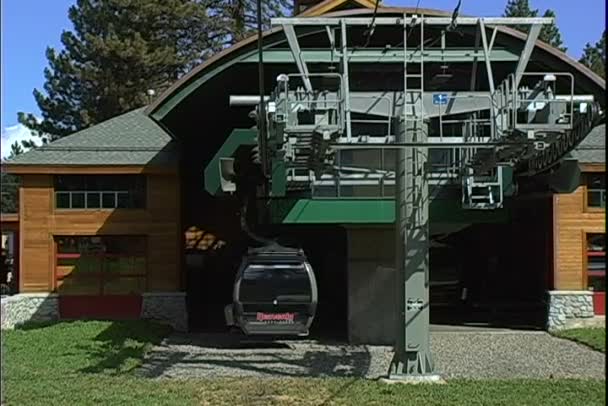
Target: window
[(596, 262), (265, 283), (596, 189), (101, 265), (100, 192), (9, 193)]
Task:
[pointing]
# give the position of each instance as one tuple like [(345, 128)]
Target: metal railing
[(358, 178), (509, 100), (474, 130), (311, 102), (382, 122)]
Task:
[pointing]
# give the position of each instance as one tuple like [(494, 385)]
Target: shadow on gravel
[(225, 342), (228, 356)]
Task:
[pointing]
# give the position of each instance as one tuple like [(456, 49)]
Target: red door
[(100, 277), (599, 303)]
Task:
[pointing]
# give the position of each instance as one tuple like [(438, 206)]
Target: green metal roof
[(132, 138), (373, 211)]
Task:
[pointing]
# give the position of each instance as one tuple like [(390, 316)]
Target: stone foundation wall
[(569, 309), (22, 308), (169, 307)]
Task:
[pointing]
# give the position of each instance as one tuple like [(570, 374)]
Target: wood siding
[(40, 222), (572, 220)]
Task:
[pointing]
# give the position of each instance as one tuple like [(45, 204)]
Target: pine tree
[(550, 33), (240, 16), (16, 149), (594, 56), (117, 50), (9, 201), (519, 8)]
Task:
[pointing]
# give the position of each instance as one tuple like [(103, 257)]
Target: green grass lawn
[(93, 363), (592, 337)]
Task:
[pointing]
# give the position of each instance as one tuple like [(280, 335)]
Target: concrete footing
[(413, 379), (19, 309), (569, 309)]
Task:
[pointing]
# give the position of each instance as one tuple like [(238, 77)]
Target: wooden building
[(579, 225)]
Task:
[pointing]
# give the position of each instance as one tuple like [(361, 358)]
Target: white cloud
[(17, 132)]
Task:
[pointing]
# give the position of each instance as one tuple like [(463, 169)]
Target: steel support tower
[(306, 148)]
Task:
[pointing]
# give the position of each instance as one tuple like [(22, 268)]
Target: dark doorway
[(209, 283), (489, 275), (326, 249), (210, 278)]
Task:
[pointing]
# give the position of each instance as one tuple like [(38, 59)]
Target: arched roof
[(189, 82)]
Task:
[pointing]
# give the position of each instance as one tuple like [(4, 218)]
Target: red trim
[(596, 253), (100, 254), (67, 256), (91, 275), (124, 307), (599, 303), (107, 275), (596, 272)]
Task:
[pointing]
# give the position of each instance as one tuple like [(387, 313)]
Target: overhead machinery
[(330, 132)]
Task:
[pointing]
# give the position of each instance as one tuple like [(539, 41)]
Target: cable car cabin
[(275, 293)]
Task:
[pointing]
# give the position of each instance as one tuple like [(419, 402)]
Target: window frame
[(586, 190), (101, 277), (585, 261), (101, 194)]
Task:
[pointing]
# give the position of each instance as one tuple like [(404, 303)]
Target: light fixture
[(549, 77)]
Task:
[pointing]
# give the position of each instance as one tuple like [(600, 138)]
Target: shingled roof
[(592, 150), (132, 138)]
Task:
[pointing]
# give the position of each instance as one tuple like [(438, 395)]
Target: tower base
[(413, 379)]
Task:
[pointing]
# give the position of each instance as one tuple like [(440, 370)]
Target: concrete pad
[(413, 379)]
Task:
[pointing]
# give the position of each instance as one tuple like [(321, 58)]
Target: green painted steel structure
[(238, 137), (343, 210), (375, 55), (373, 211)]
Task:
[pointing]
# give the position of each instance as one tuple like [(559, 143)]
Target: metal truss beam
[(486, 55), (292, 40), (345, 80), (526, 52), (475, 60), (381, 55), (440, 21), (367, 102), (429, 145)]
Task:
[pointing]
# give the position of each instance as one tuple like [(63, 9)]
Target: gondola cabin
[(275, 293)]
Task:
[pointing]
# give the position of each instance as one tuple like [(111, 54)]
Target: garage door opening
[(482, 276), (210, 279)]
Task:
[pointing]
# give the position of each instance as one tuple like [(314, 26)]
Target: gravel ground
[(457, 354)]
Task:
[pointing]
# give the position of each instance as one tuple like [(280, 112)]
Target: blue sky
[(29, 26)]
